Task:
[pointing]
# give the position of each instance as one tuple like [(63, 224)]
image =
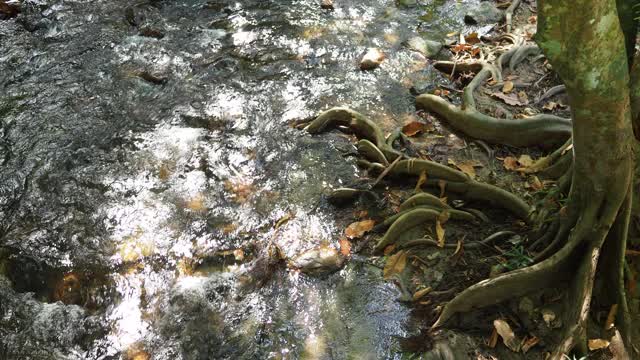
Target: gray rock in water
[(428, 48), (485, 13)]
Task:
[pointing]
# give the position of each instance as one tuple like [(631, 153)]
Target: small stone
[(326, 4), (428, 48), (483, 14), (372, 59)]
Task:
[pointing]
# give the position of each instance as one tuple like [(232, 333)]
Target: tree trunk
[(584, 42)]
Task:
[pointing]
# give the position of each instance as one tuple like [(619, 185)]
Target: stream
[(146, 154)]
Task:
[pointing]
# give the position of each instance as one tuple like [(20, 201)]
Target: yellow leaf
[(395, 264), (443, 185), (467, 168), (507, 87), (597, 344), (528, 343), (421, 293), (525, 160), (389, 249), (507, 335), (421, 180), (440, 233), (238, 254), (359, 228)]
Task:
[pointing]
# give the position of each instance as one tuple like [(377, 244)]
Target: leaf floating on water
[(359, 228), (395, 264), (597, 344), (421, 293), (288, 216), (413, 128), (508, 336), (345, 246)]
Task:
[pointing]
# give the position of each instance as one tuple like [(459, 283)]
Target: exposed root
[(363, 127), (453, 214), (423, 199), (558, 89), (549, 160), (490, 194), (370, 151), (543, 129), (508, 14), (415, 167), (405, 222)]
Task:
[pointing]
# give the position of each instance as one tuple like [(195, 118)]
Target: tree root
[(405, 222), (543, 129), (508, 14), (423, 199)]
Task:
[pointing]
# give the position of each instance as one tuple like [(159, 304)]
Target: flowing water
[(146, 155)]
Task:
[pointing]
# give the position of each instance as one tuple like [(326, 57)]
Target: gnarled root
[(544, 130)]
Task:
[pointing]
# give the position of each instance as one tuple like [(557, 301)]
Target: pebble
[(372, 59), (327, 4)]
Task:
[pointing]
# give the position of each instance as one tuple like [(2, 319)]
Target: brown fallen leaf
[(395, 264), (421, 180), (510, 99), (493, 340), (529, 342), (238, 254), (522, 96), (536, 184), (442, 184), (389, 249), (597, 344), (472, 38), (508, 336), (510, 163), (421, 293), (359, 228), (345, 246), (507, 87), (440, 221), (413, 128), (468, 168)]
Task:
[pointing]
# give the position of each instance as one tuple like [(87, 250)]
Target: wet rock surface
[(138, 139)]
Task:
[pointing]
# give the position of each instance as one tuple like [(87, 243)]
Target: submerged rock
[(322, 259), (371, 59), (327, 4), (484, 13), (428, 48)]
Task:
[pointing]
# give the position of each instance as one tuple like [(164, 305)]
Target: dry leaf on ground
[(528, 343), (510, 163), (413, 128), (421, 293), (507, 335), (597, 344), (510, 99), (359, 228), (507, 87), (421, 180), (395, 264)]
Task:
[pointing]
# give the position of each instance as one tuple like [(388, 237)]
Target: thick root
[(415, 167), (542, 130), (423, 199), (370, 151), (405, 222)]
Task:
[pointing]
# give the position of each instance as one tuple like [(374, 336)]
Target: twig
[(386, 171)]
